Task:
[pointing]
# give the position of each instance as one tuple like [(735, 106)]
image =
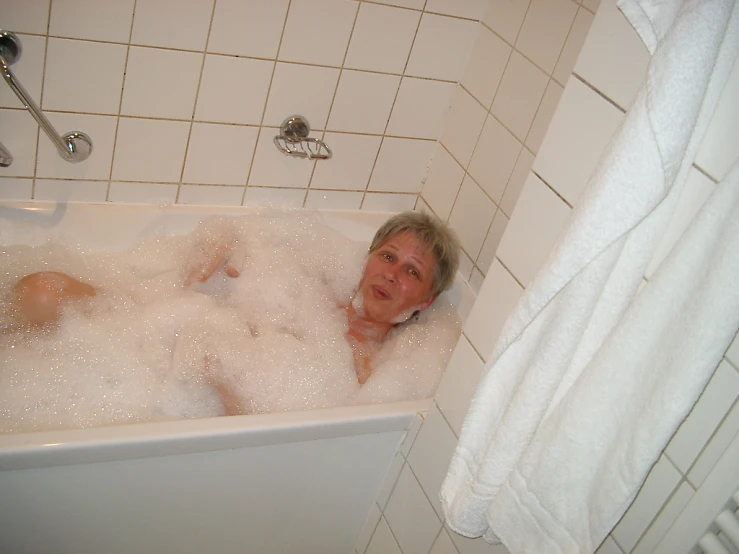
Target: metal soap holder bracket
[(293, 140), (74, 146)]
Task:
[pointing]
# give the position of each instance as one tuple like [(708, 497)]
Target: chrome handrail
[(74, 146)]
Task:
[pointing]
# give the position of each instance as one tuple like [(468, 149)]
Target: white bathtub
[(271, 483)]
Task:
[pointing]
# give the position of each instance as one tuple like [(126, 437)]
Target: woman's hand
[(232, 259), (215, 245)]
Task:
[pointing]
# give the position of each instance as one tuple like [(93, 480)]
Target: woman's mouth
[(380, 293)]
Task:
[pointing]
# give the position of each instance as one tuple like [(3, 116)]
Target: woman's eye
[(414, 273), (387, 257)]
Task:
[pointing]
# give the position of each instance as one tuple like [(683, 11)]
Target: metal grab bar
[(74, 146)]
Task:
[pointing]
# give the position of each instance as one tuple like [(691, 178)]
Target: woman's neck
[(366, 329)]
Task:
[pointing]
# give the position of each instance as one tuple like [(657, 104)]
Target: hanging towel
[(589, 380)]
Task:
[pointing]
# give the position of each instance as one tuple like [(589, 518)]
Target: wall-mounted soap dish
[(293, 140)]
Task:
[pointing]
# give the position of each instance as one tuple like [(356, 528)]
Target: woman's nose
[(390, 274)]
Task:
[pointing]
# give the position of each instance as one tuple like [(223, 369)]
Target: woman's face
[(397, 279)]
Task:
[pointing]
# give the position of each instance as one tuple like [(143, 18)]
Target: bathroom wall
[(182, 98), (546, 179)]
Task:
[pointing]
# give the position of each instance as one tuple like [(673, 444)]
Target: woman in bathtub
[(411, 260)]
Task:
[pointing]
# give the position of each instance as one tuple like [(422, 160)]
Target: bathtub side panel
[(308, 497)]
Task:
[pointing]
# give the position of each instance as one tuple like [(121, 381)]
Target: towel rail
[(74, 146)]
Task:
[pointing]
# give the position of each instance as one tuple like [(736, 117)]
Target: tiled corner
[(15, 188), (442, 183), (271, 168), (533, 229), (160, 83), (485, 67), (152, 23), (609, 546), (430, 456), (30, 72), (471, 216), (443, 544), (573, 46), (513, 189), (317, 86), (368, 529), (382, 541), (658, 486), (142, 193), (732, 354), (374, 92), (441, 42), (412, 4), (664, 520), (492, 240), (351, 165), (92, 20), (388, 202), (470, 9), (382, 38), (210, 195), (219, 154), (613, 59), (31, 16), (463, 126), (410, 516), (695, 431), (411, 434), (581, 128), (97, 70), (329, 36), (494, 158), (544, 115), (459, 383), (505, 17), (233, 90), (391, 477), (545, 30), (333, 200), (498, 296), (715, 448), (519, 95), (70, 191), (466, 265), (476, 280), (269, 196), (251, 28), (401, 165), (420, 108)]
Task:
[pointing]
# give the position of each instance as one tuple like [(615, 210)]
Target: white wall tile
[(29, 71), (471, 216), (592, 5), (368, 529), (463, 125), (410, 516), (613, 59), (459, 383), (386, 202), (219, 154), (431, 453), (515, 183), (383, 541), (441, 48), (149, 151), (92, 19), (519, 94), (664, 520), (391, 477), (317, 86), (485, 67), (152, 23), (268, 196), (536, 223), (471, 9), (411, 434), (160, 83), (573, 46), (271, 168), (333, 200), (351, 164), (443, 544), (363, 102), (661, 481), (414, 4), (476, 280), (544, 115), (83, 76), (715, 401), (732, 354), (328, 23), (442, 183), (581, 128), (505, 17), (70, 191), (721, 141), (697, 189), (544, 31), (212, 195), (401, 165), (21, 142), (382, 38), (499, 294), (100, 129), (249, 28), (715, 448), (142, 193), (15, 188), (492, 240), (609, 546), (233, 90), (30, 16), (466, 265), (420, 108), (494, 158)]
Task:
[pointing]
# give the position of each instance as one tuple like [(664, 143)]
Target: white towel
[(587, 383)]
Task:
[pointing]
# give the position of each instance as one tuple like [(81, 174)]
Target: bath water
[(147, 348)]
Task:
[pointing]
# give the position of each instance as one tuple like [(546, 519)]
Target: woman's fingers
[(235, 262), (201, 274)]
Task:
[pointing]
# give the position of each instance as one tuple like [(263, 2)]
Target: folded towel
[(587, 383)]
